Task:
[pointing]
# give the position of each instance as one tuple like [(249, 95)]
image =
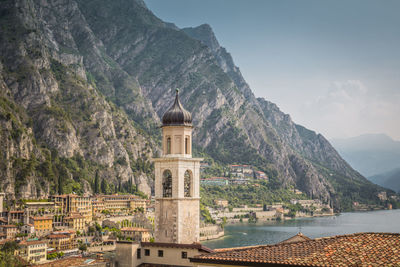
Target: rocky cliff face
[(57, 127), (94, 77)]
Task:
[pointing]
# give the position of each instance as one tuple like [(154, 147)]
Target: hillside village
[(71, 224)]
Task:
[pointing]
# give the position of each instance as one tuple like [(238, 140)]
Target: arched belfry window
[(168, 145), (167, 183), (188, 184)]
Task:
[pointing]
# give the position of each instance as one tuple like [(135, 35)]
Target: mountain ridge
[(98, 76), (371, 154), (390, 179)]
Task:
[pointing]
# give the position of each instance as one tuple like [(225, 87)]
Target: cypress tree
[(96, 183), (103, 186)]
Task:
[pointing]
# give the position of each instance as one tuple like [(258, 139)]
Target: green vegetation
[(55, 255), (254, 193), (7, 257), (205, 214)]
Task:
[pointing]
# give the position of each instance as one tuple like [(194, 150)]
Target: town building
[(16, 216), (61, 241), (382, 196), (241, 171), (221, 202), (35, 208), (115, 203), (33, 251), (28, 229), (2, 196), (259, 175), (136, 234), (72, 203), (130, 254), (3, 221), (43, 225), (75, 221), (10, 230)]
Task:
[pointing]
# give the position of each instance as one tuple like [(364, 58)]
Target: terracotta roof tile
[(135, 229), (57, 236), (42, 218), (175, 245), (361, 249), (9, 226), (31, 242)]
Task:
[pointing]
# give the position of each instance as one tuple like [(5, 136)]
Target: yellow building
[(33, 251), (136, 234), (97, 205), (117, 203), (75, 221), (43, 225), (73, 203), (61, 242)]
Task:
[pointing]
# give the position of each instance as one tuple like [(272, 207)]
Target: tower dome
[(177, 115)]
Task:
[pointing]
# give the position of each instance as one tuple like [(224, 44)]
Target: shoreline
[(272, 232), (272, 222)]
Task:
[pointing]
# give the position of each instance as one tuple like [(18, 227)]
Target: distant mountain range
[(370, 154), (376, 156), (389, 179)]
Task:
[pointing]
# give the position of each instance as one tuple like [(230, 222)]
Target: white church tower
[(177, 180)]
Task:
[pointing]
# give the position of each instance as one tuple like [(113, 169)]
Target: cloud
[(349, 108)]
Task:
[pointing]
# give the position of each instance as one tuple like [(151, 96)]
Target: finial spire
[(177, 115)]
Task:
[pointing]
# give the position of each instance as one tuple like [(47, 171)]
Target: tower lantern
[(177, 180)]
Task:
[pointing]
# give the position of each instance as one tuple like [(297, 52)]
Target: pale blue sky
[(334, 66)]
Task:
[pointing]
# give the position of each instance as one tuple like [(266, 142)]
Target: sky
[(333, 65)]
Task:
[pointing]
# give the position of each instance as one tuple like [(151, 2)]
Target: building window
[(184, 255), (188, 184), (147, 252), (168, 145), (161, 253), (138, 253), (167, 183)]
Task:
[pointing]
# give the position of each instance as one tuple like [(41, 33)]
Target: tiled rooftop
[(135, 229), (42, 218), (175, 245), (31, 242), (57, 236), (361, 249)]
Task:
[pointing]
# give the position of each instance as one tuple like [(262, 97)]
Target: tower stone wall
[(177, 181)]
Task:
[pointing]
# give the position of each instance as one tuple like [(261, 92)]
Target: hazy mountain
[(370, 154), (84, 83), (389, 179)]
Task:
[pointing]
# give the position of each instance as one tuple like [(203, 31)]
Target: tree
[(104, 186), (10, 247), (83, 247), (97, 183)]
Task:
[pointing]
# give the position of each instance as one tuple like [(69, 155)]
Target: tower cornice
[(164, 159)]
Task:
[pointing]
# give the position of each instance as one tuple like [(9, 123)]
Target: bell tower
[(177, 180)]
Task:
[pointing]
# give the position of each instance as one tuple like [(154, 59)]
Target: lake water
[(244, 234)]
